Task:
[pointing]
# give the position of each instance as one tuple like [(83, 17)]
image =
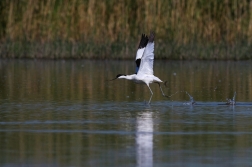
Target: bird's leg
[(150, 91), (162, 90)]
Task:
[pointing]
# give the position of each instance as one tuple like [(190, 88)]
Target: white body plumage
[(144, 62)]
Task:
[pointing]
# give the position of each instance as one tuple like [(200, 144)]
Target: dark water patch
[(66, 113)]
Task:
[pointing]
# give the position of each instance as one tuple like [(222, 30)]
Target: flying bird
[(144, 65)]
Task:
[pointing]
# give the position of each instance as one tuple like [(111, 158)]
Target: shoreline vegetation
[(111, 29)]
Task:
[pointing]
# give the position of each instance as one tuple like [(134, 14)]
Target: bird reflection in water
[(144, 139)]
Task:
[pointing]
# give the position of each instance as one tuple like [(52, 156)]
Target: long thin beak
[(112, 79)]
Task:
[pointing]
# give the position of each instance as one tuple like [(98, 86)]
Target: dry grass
[(186, 29)]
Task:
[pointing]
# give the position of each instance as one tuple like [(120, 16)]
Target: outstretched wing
[(146, 66), (140, 51)]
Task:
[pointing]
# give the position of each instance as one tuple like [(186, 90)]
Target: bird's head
[(118, 77)]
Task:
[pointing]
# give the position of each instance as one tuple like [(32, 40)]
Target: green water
[(66, 113)]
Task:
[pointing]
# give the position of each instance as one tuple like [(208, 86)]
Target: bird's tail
[(165, 84)]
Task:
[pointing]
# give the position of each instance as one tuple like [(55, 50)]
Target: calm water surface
[(66, 113)]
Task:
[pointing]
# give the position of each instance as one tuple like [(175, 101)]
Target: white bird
[(144, 65)]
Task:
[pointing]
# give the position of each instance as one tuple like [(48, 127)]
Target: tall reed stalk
[(185, 29)]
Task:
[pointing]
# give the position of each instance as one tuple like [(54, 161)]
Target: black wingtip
[(143, 42)]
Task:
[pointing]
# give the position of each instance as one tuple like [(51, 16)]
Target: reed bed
[(185, 29)]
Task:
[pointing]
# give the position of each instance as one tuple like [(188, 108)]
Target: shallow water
[(66, 113)]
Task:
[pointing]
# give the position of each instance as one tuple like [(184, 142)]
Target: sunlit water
[(66, 113)]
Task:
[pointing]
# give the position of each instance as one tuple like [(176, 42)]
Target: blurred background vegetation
[(110, 29)]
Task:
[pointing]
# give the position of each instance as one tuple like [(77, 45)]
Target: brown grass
[(186, 29)]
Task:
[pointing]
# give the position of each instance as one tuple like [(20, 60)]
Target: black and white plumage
[(143, 42), (144, 64)]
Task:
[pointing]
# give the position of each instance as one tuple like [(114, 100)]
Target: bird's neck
[(128, 77)]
